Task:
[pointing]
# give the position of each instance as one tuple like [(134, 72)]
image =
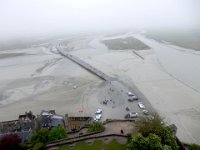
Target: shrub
[(147, 125), (10, 142), (151, 142), (194, 147), (39, 136), (39, 146), (57, 133), (96, 127), (137, 142)]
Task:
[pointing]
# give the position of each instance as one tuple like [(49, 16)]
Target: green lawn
[(97, 145), (126, 43)]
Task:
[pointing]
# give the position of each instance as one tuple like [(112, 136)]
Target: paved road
[(85, 65)]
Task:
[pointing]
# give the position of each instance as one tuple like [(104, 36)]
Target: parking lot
[(114, 99)]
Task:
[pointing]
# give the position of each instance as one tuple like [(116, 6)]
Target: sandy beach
[(39, 78)]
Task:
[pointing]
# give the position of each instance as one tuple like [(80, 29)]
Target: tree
[(39, 136), (151, 142), (153, 124), (10, 142), (137, 142), (96, 127), (147, 125), (154, 142), (194, 147), (57, 133), (167, 138)]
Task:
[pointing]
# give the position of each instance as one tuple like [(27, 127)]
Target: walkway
[(85, 65)]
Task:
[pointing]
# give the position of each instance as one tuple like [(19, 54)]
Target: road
[(85, 65)]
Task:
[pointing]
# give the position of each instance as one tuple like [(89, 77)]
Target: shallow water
[(180, 63)]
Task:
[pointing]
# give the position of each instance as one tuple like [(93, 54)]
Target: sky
[(37, 17)]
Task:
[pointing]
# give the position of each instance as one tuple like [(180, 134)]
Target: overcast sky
[(32, 17)]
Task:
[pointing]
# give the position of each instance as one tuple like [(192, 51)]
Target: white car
[(146, 112), (130, 94), (98, 117), (141, 105), (99, 111), (133, 115), (95, 119)]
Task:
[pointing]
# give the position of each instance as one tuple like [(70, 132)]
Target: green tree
[(153, 124), (96, 127), (153, 142), (39, 136), (167, 138), (194, 147), (147, 125), (57, 133), (137, 142)]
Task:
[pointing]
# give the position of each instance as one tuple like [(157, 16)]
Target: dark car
[(132, 98)]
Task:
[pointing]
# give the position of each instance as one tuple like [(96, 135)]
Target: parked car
[(132, 98), (95, 119), (99, 111), (135, 97), (127, 108), (131, 115), (130, 94), (146, 112), (105, 101), (141, 105), (98, 117)]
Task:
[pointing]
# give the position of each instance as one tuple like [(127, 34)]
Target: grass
[(126, 43), (96, 145), (183, 38)]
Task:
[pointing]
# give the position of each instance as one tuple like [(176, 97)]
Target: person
[(122, 132)]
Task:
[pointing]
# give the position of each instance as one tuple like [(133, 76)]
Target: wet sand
[(46, 80)]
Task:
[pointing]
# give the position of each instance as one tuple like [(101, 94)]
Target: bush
[(147, 125), (167, 138), (96, 127), (151, 142), (57, 133), (39, 146), (154, 142), (10, 142), (137, 142), (39, 136), (194, 147), (25, 146)]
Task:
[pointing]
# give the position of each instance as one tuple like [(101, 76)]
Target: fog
[(41, 17)]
